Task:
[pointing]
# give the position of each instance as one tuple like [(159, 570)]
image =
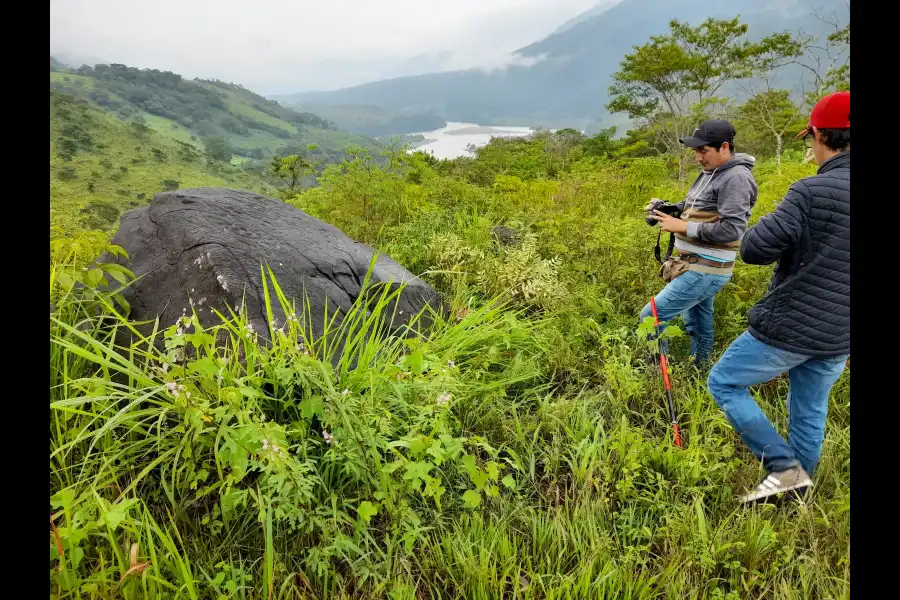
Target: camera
[(663, 207)]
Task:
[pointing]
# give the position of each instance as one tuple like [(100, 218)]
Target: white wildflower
[(451, 364), (201, 301), (222, 282), (172, 387), (329, 439), (345, 393), (444, 399), (265, 444)]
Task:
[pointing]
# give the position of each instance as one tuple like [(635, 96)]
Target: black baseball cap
[(715, 131)]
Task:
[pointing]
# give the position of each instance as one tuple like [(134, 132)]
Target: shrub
[(67, 173)]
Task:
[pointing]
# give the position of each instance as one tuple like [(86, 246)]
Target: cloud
[(283, 46), (515, 59)]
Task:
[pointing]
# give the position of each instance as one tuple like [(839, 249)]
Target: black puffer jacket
[(807, 307)]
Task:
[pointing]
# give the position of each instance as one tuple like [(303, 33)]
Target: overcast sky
[(284, 46)]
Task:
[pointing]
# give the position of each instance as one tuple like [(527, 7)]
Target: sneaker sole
[(798, 490)]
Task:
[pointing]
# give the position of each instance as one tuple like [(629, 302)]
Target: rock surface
[(204, 247), (505, 236)]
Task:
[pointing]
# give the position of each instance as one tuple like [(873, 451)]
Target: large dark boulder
[(205, 247)]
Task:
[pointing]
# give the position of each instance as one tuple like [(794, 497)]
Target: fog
[(284, 46)]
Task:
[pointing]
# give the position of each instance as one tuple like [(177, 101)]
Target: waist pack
[(670, 267), (673, 267)]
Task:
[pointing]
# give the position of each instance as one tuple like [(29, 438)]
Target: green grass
[(169, 128), (71, 78), (520, 448)]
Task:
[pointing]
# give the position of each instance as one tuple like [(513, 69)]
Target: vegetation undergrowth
[(519, 449)]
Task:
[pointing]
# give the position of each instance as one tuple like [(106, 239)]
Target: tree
[(773, 112), (825, 69), (603, 144), (562, 147), (671, 80), (292, 169), (218, 149), (826, 64)]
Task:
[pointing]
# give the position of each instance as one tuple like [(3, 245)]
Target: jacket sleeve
[(777, 231), (736, 198)]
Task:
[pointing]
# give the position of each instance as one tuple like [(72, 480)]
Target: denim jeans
[(749, 361), (690, 294)]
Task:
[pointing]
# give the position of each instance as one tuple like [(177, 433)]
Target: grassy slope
[(124, 170), (237, 102), (599, 504)]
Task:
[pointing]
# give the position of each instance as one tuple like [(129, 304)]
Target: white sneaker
[(794, 480)]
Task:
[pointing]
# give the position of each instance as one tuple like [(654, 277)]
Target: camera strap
[(657, 252)]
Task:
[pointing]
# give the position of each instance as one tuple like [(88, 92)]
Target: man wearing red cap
[(802, 325)]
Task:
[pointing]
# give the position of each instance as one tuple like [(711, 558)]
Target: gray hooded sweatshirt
[(731, 192)]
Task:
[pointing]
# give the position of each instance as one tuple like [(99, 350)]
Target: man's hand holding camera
[(667, 215)]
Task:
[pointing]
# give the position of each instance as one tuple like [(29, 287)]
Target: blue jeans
[(749, 361), (690, 294)]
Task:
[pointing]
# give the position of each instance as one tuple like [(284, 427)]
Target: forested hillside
[(230, 118), (568, 84), (101, 165), (372, 120)]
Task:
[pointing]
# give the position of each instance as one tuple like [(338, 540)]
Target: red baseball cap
[(831, 112)]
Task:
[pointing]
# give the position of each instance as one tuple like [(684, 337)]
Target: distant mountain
[(56, 65), (568, 73), (599, 9), (373, 120), (191, 110)]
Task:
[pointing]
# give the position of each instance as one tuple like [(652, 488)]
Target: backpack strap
[(657, 252)]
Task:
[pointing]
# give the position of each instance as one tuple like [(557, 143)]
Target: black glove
[(663, 207)]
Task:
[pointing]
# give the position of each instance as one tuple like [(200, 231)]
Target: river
[(452, 140)]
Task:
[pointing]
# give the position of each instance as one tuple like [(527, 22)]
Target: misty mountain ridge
[(566, 80)]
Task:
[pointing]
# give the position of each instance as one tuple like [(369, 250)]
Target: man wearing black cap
[(708, 226)]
